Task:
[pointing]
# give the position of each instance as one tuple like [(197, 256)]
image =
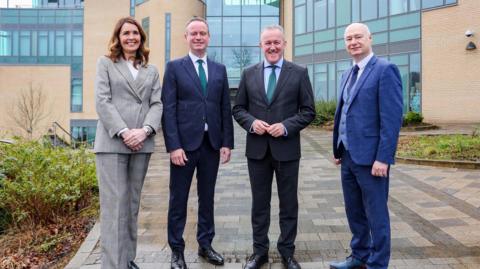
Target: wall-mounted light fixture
[(470, 45)]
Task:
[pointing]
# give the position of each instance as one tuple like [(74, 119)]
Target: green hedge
[(40, 184), (325, 111), (412, 117)]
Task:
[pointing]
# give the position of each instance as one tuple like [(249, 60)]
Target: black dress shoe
[(177, 260), (132, 265), (290, 263), (256, 261), (210, 255)]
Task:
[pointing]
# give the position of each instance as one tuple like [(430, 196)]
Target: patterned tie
[(353, 79), (202, 76), (272, 83)]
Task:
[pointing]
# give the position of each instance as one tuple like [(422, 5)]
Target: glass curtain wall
[(395, 25), (235, 27), (45, 36)]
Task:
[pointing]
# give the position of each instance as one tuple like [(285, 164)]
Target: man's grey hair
[(196, 18), (273, 27), (363, 25)]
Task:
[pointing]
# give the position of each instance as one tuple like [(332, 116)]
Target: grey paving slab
[(434, 211)]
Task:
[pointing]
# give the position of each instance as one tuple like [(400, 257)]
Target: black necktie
[(353, 79)]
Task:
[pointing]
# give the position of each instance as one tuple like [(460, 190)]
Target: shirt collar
[(279, 64), (194, 57), (364, 61)]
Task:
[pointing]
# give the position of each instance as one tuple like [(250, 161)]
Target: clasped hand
[(134, 138), (260, 127)]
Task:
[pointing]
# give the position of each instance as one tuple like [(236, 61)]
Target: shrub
[(325, 112), (40, 183), (412, 117)]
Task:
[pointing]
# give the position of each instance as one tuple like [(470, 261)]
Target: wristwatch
[(148, 130)]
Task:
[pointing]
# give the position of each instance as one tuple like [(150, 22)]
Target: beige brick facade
[(450, 74), (52, 80)]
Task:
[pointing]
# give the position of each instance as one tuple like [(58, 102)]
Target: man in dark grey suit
[(273, 114)]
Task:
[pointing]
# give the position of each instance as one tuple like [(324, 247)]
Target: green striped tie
[(272, 83), (203, 77)]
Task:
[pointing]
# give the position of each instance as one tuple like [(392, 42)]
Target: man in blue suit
[(198, 131), (365, 136)]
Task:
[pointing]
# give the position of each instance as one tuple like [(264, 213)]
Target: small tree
[(29, 109), (241, 57)]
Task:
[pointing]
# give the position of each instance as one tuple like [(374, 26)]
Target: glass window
[(77, 43), (343, 12), (382, 8), (331, 82), (231, 31), (331, 13), (309, 15), (380, 38), (303, 39), (60, 43), (320, 15), (251, 55), (325, 35), (378, 25), (324, 47), (168, 36), (76, 96), (414, 5), (405, 34), (265, 21), (303, 50), (415, 94), (270, 7), (15, 47), (356, 11), (51, 42), (300, 22), (450, 1), (5, 43), (215, 53), (298, 2), (68, 45), (431, 3), (214, 7), (321, 88), (231, 7), (250, 7), (369, 9), (25, 46), (250, 31), (232, 58), (404, 21), (398, 6), (215, 28), (146, 28)]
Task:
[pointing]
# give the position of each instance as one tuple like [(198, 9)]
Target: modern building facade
[(54, 45)]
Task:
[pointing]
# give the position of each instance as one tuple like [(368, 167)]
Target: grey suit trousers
[(121, 178)]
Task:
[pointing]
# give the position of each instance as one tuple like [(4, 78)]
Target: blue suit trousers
[(366, 206)]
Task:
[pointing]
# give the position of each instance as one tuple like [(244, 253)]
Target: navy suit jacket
[(186, 109), (374, 117)]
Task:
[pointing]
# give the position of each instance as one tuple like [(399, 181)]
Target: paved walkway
[(434, 212)]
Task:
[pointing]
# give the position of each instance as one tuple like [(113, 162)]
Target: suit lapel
[(284, 74), (140, 80), (363, 78), (188, 65), (121, 66), (259, 80), (211, 66)]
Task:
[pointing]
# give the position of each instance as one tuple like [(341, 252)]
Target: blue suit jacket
[(186, 109), (374, 117)]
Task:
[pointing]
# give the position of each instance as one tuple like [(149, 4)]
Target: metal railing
[(57, 141)]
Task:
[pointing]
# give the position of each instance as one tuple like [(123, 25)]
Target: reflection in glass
[(215, 28), (369, 9), (300, 20), (232, 7), (214, 7), (231, 31), (270, 7), (320, 15), (398, 6), (251, 7), (250, 31), (431, 3)]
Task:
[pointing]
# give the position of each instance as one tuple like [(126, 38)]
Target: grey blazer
[(123, 102)]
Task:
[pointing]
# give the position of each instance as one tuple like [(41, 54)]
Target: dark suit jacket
[(374, 117), (292, 104), (186, 109)]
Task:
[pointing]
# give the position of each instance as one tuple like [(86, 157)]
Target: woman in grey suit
[(127, 99)]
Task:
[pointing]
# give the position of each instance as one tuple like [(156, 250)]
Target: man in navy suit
[(365, 136), (198, 131)]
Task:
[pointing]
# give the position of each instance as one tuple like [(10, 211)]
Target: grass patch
[(440, 147)]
